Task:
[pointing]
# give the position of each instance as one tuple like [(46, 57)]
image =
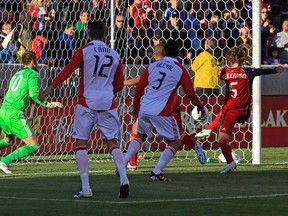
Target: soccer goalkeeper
[(13, 121)]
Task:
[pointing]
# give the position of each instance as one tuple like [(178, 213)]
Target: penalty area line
[(146, 201)]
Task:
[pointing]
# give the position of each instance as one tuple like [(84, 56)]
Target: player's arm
[(140, 90), (33, 89), (133, 81), (118, 83), (253, 72), (34, 93)]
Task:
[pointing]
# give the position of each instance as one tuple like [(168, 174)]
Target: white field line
[(53, 173), (146, 201)]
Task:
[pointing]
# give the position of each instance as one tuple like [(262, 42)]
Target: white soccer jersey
[(101, 74), (162, 79)]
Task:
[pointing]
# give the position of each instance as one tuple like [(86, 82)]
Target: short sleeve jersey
[(23, 86)]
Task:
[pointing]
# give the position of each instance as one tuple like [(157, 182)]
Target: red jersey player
[(162, 79), (236, 108), (186, 139)]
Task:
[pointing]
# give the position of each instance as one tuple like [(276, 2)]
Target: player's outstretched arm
[(46, 92), (131, 82)]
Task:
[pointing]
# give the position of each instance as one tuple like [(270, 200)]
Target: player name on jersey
[(164, 65), (235, 76), (102, 49)]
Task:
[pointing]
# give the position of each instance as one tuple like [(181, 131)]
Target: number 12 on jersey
[(101, 67)]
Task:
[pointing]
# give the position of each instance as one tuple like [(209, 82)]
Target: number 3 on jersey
[(163, 75), (99, 72)]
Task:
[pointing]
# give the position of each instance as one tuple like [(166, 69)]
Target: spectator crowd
[(53, 29)]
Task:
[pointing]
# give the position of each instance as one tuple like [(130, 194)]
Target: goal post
[(256, 108)]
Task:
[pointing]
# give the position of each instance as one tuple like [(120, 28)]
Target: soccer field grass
[(193, 189)]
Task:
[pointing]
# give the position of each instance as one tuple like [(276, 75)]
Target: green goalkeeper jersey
[(23, 86)]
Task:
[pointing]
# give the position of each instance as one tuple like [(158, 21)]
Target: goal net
[(49, 32)]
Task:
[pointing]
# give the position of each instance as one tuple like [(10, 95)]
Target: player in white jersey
[(162, 79), (102, 76)]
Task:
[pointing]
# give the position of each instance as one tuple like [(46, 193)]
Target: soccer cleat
[(200, 153), (229, 167), (124, 189), (131, 168), (203, 134), (84, 194), (4, 168), (158, 177)]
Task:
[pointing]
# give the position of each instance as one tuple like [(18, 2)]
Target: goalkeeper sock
[(119, 162), (4, 144), (214, 124), (134, 147), (20, 153), (187, 141), (226, 150), (82, 164), (164, 159)]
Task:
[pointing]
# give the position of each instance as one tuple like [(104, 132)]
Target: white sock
[(119, 162), (164, 159), (82, 164), (133, 148)]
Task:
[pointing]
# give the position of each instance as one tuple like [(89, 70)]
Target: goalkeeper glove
[(54, 105)]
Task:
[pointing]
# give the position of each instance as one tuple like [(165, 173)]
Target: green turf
[(47, 189)]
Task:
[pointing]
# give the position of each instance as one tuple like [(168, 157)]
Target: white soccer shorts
[(86, 119), (166, 126)]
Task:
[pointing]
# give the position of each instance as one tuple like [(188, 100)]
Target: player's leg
[(226, 127), (109, 125), (30, 147), (19, 126), (3, 166), (4, 143), (167, 128), (205, 133), (143, 130), (132, 165), (164, 160), (8, 137), (83, 125)]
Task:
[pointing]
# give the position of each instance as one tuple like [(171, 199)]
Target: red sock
[(133, 160), (187, 140), (226, 150), (214, 123)]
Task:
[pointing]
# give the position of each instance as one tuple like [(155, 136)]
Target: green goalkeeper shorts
[(14, 122)]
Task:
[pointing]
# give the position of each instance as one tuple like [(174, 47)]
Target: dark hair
[(27, 57), (237, 54), (97, 30), (172, 48)]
